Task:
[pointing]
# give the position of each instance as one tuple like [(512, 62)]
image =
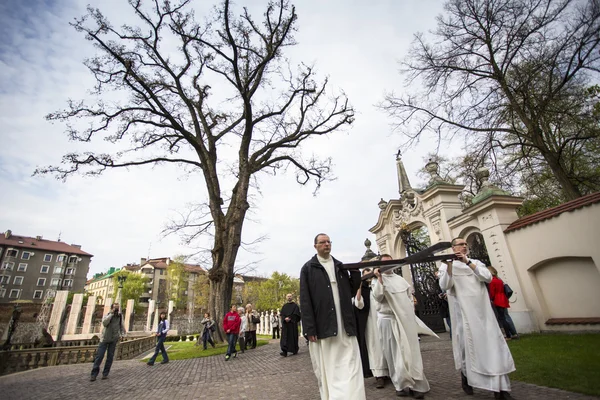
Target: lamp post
[(121, 279)]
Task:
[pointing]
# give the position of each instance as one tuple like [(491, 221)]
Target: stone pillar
[(58, 310), (89, 314), (74, 314), (151, 305), (129, 314), (155, 323), (107, 305)]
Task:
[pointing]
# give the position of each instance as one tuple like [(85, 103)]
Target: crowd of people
[(357, 328)]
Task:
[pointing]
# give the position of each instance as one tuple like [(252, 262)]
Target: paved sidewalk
[(256, 375)]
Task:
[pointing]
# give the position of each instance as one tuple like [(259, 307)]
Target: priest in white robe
[(328, 321), (399, 329), (377, 362), (480, 351)]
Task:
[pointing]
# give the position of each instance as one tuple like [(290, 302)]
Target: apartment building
[(30, 266), (101, 285)]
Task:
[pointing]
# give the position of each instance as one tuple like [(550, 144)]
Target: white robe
[(377, 361), (479, 348), (399, 331), (336, 359)]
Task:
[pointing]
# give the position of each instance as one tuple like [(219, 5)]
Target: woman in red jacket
[(500, 304), (231, 326)]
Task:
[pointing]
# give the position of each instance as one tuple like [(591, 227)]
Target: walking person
[(252, 319), (275, 324), (501, 304), (243, 327), (326, 293), (231, 326), (113, 331), (208, 327), (161, 334), (290, 314), (480, 351)]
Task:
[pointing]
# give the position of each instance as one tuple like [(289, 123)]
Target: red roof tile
[(554, 211), (41, 244)]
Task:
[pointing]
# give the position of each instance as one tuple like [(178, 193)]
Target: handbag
[(255, 319), (212, 328), (507, 291)]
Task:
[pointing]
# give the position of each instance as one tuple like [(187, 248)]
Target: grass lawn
[(185, 350), (563, 361)]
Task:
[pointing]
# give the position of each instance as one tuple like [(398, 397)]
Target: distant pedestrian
[(208, 327), (252, 319), (161, 334), (290, 313), (243, 327), (112, 332), (501, 305), (231, 326), (275, 324)]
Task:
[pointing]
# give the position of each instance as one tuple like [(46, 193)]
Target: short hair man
[(290, 316), (326, 293), (480, 352), (399, 330), (112, 332)]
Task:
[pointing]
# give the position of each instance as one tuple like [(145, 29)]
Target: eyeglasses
[(459, 244), (325, 241)]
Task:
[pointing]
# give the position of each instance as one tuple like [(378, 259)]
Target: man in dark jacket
[(326, 293)]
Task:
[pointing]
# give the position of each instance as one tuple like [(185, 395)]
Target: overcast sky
[(118, 216)]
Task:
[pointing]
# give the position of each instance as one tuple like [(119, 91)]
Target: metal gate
[(477, 249), (426, 286)]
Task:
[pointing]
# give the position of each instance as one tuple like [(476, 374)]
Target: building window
[(18, 280), (22, 267), (8, 265), (72, 259), (14, 293), (12, 253), (2, 292), (58, 270), (47, 257), (55, 282), (26, 255), (44, 269), (41, 282), (70, 271), (5, 279), (60, 258), (38, 294), (68, 282)]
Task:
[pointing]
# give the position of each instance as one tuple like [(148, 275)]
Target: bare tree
[(171, 116), (511, 76)]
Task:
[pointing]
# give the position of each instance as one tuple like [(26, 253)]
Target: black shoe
[(104, 377), (403, 393), (92, 378), (465, 385), (164, 361), (235, 354), (417, 395), (283, 353), (294, 353), (503, 395), (149, 364), (379, 382)]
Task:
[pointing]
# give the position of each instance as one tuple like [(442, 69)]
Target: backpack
[(507, 291)]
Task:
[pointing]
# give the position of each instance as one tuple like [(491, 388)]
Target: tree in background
[(513, 78), (177, 282), (255, 120), (133, 287), (270, 294)]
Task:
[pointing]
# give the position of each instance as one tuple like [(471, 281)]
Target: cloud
[(119, 215)]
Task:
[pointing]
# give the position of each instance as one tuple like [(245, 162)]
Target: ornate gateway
[(426, 286)]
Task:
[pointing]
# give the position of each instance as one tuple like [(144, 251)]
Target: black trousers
[(276, 331), (250, 339)]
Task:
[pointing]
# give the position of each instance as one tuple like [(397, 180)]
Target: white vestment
[(399, 332), (336, 359), (480, 350), (377, 361)]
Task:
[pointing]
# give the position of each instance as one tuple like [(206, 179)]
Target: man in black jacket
[(328, 321)]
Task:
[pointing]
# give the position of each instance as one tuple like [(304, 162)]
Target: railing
[(23, 360)]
